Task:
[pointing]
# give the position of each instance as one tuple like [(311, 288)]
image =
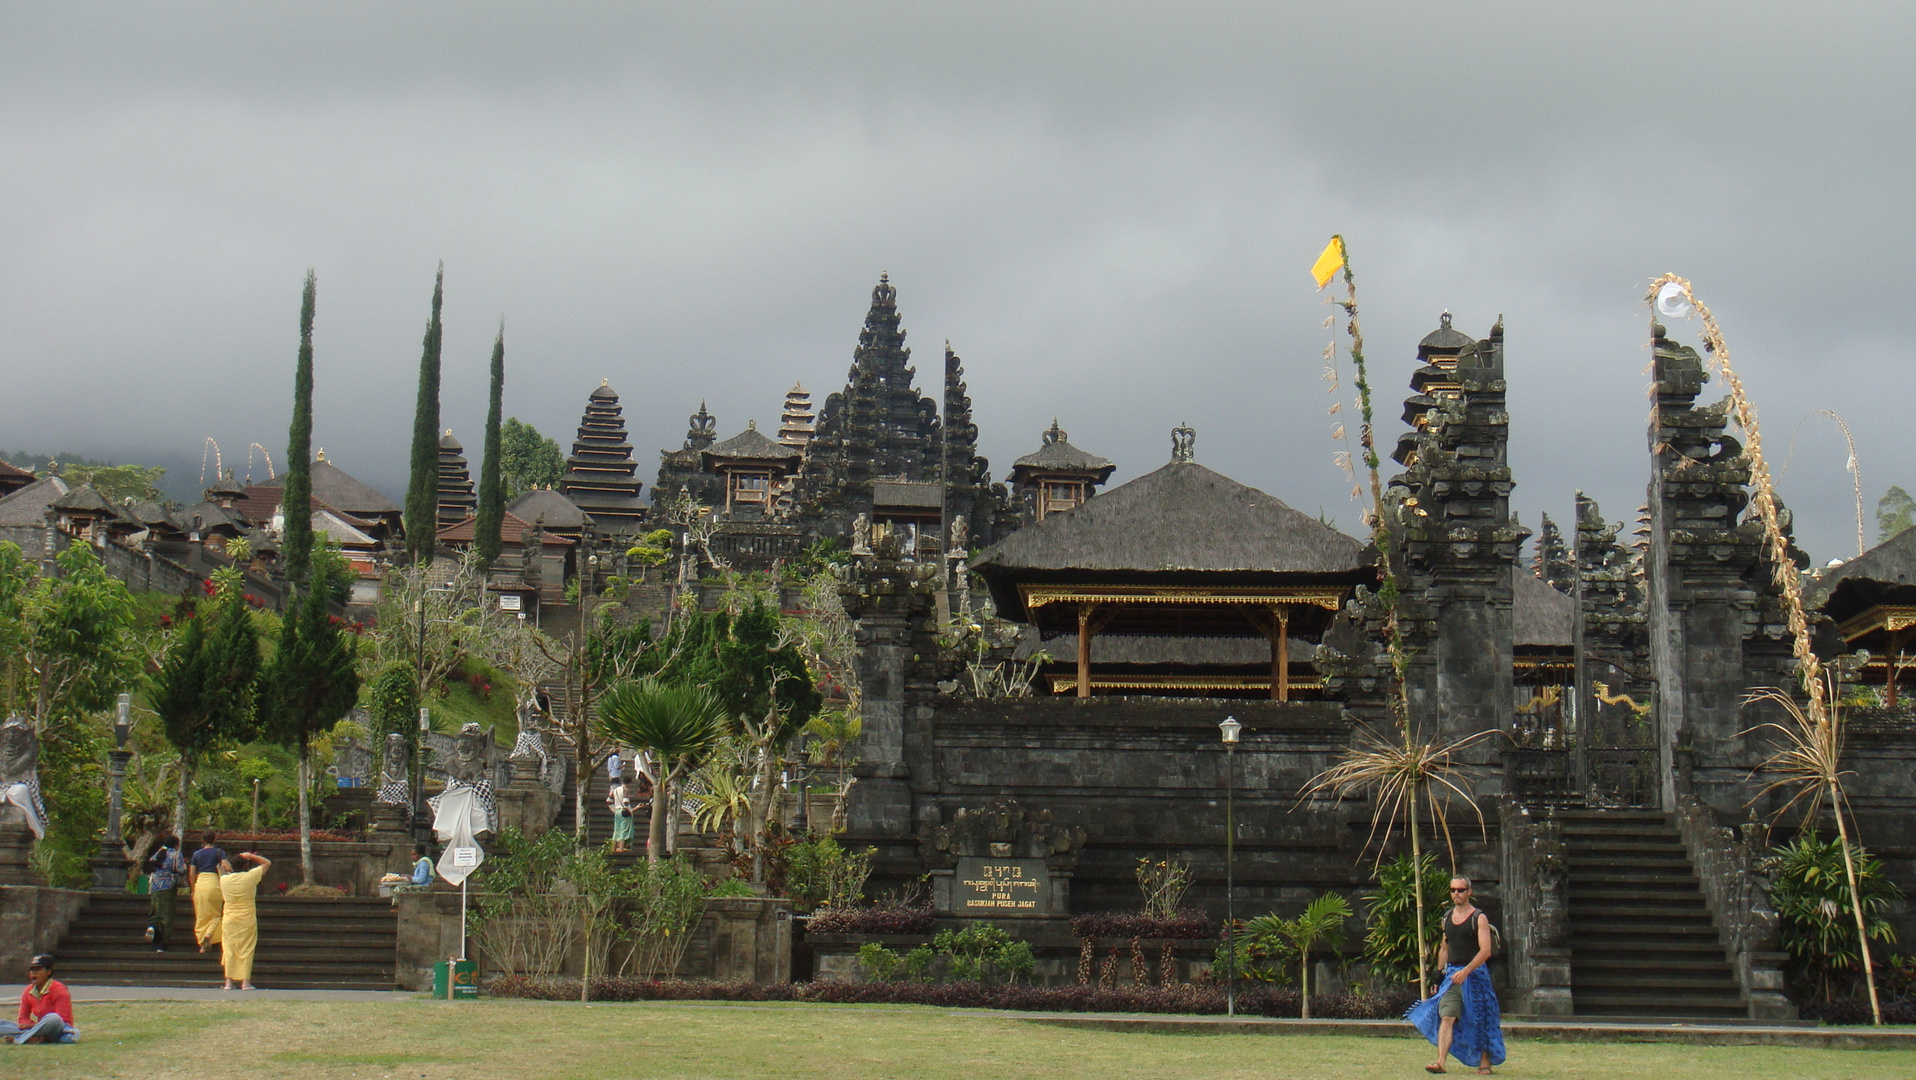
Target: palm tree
[(1323, 920), (674, 723)]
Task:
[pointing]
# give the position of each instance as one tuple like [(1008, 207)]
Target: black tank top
[(1462, 937)]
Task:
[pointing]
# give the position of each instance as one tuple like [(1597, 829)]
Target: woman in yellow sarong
[(239, 918), (203, 883)]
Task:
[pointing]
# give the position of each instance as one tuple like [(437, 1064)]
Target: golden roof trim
[(1037, 596), (1061, 684), (1880, 617)]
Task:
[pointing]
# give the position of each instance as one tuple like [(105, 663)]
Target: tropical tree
[(1810, 893), (674, 723), (422, 490), (204, 692), (1391, 940), (527, 459), (70, 635), (1322, 921), (492, 492)]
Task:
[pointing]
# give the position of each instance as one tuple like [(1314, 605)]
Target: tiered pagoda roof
[(799, 420), (456, 498), (600, 475), (1058, 457)]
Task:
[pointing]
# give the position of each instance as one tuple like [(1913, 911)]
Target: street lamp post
[(109, 866), (419, 827), (1229, 728)]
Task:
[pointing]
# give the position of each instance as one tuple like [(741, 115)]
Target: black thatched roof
[(86, 499), (333, 487), (897, 493), (1181, 518), (752, 445), (28, 506), (1539, 614), (1885, 573), (548, 507)]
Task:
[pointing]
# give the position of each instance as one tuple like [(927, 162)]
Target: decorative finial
[(605, 382), (321, 456), (884, 276), (448, 433), (1056, 434), (751, 425), (1183, 440), (1444, 320)]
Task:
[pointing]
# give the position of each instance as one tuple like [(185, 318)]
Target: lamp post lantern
[(1229, 729), (109, 866), (419, 825)]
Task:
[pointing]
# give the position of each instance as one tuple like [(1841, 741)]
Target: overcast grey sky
[(1109, 210)]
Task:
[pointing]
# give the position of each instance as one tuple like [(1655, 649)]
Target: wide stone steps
[(1642, 940), (305, 944)]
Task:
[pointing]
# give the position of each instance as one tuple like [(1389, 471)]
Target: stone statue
[(861, 535), (960, 536), (529, 759), (467, 809), (911, 542), (395, 775), (20, 777)]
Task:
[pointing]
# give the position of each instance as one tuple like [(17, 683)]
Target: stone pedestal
[(1550, 991), (109, 868), (389, 824), (529, 807), (16, 855)]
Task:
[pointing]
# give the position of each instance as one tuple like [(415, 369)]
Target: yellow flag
[(1329, 263)]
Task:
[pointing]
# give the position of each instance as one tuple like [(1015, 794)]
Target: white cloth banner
[(28, 800), (460, 815)]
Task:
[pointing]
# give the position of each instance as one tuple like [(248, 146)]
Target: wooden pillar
[(1281, 655), (1889, 668), (1084, 649)]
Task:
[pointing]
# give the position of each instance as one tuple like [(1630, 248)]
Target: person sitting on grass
[(46, 1009)]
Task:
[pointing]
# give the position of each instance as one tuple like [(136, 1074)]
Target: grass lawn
[(507, 1040)]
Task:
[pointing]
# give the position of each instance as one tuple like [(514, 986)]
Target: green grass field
[(506, 1040)]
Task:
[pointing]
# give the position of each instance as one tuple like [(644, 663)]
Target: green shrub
[(821, 873), (878, 962), (981, 953), (1390, 943), (1817, 924)]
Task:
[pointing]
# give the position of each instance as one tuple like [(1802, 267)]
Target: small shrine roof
[(556, 511), (333, 487), (512, 530), (1885, 573), (752, 445)]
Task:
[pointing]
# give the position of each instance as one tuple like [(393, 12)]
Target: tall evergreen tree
[(422, 493), (310, 685), (492, 491), (204, 691), (296, 538)]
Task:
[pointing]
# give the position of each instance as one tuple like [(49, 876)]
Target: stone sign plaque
[(993, 886)]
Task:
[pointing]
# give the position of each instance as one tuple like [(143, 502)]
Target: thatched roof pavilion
[(1182, 553)]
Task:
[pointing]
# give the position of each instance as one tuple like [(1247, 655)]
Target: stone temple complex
[(1044, 660)]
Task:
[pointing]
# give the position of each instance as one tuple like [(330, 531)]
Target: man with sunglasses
[(46, 1009), (1462, 1017)]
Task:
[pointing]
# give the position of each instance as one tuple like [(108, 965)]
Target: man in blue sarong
[(1462, 1017)]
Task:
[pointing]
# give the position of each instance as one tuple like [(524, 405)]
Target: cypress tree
[(296, 537), (311, 684), (422, 493), (492, 491)]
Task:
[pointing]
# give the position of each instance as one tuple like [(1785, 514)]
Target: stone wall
[(32, 920)]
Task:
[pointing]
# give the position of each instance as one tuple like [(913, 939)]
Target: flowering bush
[(1183, 998), (1186, 923), (877, 919)]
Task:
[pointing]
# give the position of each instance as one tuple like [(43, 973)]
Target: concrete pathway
[(82, 994)]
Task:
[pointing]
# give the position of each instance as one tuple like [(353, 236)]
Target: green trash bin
[(452, 979)]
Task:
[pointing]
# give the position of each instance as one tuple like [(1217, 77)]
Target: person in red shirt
[(46, 1009)]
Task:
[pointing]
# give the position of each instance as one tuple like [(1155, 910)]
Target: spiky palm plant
[(1399, 777), (1809, 758), (672, 722)]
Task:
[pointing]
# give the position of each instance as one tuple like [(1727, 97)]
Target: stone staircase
[(305, 944), (1642, 941)]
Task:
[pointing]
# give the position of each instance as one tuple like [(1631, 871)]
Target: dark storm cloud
[(1107, 210)]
